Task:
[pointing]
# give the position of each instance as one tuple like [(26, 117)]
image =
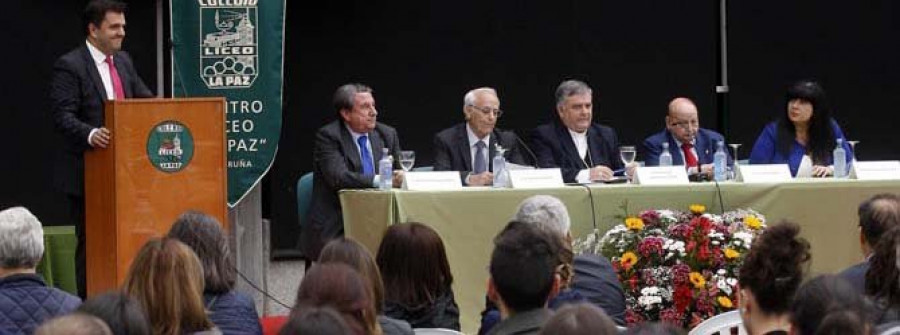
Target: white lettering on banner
[(229, 51), (244, 107), (245, 144), (239, 126), (227, 3), (241, 163), (228, 81)]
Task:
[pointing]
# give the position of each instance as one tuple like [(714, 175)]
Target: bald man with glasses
[(689, 144), (470, 147)]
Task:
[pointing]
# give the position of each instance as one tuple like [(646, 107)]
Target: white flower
[(723, 285), (732, 281), (745, 237), (721, 272)]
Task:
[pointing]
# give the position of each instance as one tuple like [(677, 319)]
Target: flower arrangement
[(677, 267)]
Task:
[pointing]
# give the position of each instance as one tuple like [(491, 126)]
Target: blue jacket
[(765, 150), (705, 144), (233, 313), (26, 301)]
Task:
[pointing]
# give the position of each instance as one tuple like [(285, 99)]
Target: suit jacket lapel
[(704, 149), (350, 148), (596, 148), (675, 150), (492, 149), (568, 145), (95, 75), (377, 144), (462, 145), (123, 76)]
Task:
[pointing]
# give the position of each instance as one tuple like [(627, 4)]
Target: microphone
[(524, 145)]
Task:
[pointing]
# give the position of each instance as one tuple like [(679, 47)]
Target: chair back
[(304, 196), (721, 324), (436, 331)]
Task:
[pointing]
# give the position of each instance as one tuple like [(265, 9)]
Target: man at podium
[(83, 79)]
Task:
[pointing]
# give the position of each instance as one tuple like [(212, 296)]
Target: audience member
[(122, 313), (73, 324), (340, 287), (524, 276), (772, 271), (689, 144), (25, 299), (803, 135), (654, 328), (883, 278), (230, 311), (417, 277), (353, 254), (877, 215), (579, 319), (470, 147), (166, 278), (828, 304), (316, 321)]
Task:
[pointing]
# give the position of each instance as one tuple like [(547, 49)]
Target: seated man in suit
[(689, 144), (345, 155), (585, 151), (877, 215), (470, 147)]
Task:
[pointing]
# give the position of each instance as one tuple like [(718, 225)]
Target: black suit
[(337, 166), (76, 101), (452, 151), (554, 148)]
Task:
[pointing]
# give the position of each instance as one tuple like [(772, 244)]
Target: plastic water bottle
[(665, 159), (386, 170), (840, 160), (500, 175), (720, 159)]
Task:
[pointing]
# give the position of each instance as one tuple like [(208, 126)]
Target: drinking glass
[(407, 159), (733, 170), (627, 153), (853, 150)]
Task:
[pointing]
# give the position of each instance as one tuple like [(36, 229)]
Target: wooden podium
[(166, 156)]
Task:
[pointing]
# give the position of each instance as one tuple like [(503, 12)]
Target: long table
[(467, 220)]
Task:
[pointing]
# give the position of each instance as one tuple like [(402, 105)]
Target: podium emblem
[(170, 146)]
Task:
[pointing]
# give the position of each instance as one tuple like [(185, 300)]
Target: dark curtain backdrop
[(422, 56)]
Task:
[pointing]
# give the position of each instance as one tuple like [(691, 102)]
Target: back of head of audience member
[(73, 324), (205, 236), (654, 328), (122, 313), (349, 252), (877, 215), (166, 278), (883, 276), (21, 241), (523, 268), (316, 320), (579, 319), (826, 304), (550, 214), (338, 286), (413, 264), (771, 273)]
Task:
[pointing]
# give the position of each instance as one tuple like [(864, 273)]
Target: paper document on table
[(805, 169), (514, 166)]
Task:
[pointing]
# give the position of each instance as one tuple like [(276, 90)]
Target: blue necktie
[(480, 164), (366, 157)]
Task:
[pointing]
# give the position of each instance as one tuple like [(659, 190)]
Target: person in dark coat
[(877, 215), (230, 311), (689, 145), (25, 299)]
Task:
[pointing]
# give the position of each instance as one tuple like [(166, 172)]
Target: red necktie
[(116, 81), (689, 159)]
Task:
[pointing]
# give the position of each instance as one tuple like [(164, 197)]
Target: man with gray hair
[(470, 147), (25, 300), (585, 151), (588, 278)]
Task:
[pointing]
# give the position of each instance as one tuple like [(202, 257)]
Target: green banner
[(235, 49)]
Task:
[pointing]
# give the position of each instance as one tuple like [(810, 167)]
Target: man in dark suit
[(877, 215), (470, 147), (689, 144), (345, 156), (585, 151), (83, 80)]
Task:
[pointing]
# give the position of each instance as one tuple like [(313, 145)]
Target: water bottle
[(720, 159), (665, 159), (386, 170), (500, 175), (840, 160)]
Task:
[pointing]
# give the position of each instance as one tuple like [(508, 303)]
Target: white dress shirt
[(581, 144), (100, 61)]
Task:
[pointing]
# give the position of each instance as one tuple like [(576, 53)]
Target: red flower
[(682, 297)]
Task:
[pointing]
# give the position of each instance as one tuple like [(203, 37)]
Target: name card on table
[(763, 173), (431, 181), (536, 178), (661, 175), (875, 170)]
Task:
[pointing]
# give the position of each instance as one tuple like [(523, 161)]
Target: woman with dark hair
[(318, 321), (232, 312), (769, 277), (828, 304), (883, 278), (338, 286), (166, 278), (122, 314), (349, 252), (417, 277), (805, 132)]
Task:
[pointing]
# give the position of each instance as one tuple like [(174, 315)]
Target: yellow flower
[(752, 222), (724, 302), (634, 224), (698, 280), (698, 209), (731, 253), (628, 260)]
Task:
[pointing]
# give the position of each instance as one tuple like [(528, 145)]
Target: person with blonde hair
[(167, 280)]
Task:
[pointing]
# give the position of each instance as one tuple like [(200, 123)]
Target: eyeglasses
[(687, 125), (487, 110)]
